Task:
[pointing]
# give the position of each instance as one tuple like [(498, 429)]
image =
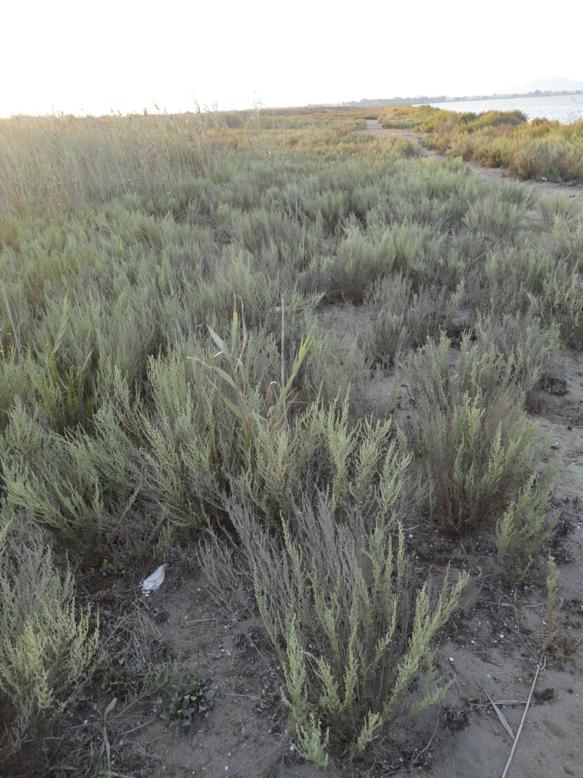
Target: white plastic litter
[(153, 582)]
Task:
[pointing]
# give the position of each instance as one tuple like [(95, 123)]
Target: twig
[(426, 748), (135, 729), (106, 742), (526, 707), (501, 717), (510, 702)]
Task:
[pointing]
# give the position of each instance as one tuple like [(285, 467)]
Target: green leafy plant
[(191, 699), (47, 644), (234, 386)]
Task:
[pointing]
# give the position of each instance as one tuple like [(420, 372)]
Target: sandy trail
[(545, 188)]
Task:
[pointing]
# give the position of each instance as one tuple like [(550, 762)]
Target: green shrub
[(495, 219), (562, 302), (525, 342), (474, 449), (47, 644), (439, 375), (352, 632), (525, 528), (404, 318)]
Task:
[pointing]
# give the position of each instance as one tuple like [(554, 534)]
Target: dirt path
[(545, 188)]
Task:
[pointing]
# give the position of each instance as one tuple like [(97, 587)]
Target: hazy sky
[(92, 56)]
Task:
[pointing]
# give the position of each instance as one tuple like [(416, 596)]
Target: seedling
[(192, 698)]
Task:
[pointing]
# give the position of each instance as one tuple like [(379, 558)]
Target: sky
[(98, 56)]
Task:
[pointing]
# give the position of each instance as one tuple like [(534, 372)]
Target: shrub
[(439, 375), (365, 256), (47, 645), (474, 448), (525, 342), (352, 633), (495, 218), (405, 318), (525, 528), (557, 210), (562, 302), (499, 139), (333, 370)]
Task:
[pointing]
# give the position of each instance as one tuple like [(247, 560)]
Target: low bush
[(537, 149), (47, 645), (525, 342), (531, 282), (474, 449), (404, 318), (524, 530), (134, 414), (352, 632)]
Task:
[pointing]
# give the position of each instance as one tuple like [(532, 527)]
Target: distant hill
[(553, 84)]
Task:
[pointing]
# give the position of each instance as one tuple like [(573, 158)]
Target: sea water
[(565, 108)]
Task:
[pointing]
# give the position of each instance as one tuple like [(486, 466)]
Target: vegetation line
[(539, 149)]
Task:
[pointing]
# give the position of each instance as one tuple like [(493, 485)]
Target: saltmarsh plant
[(331, 372), (525, 528), (525, 342), (234, 386), (322, 449), (121, 240), (562, 302), (159, 461), (529, 281), (352, 631), (285, 449), (367, 255), (495, 219), (405, 318), (474, 449), (47, 644)]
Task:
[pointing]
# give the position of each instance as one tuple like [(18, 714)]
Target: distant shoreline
[(443, 99)]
